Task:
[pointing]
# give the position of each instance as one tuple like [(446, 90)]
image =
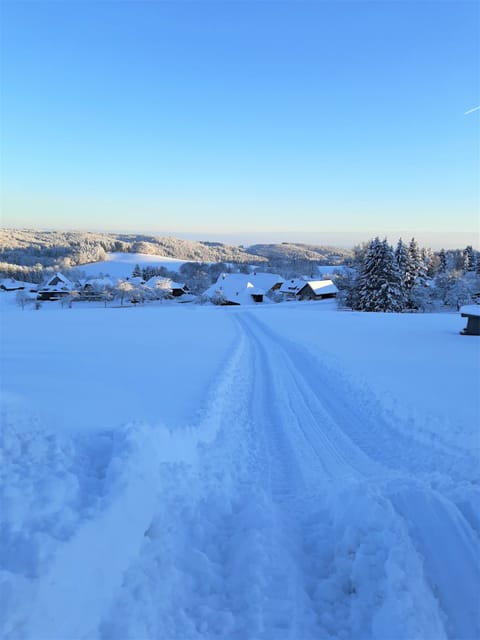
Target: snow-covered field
[(121, 265), (282, 471)]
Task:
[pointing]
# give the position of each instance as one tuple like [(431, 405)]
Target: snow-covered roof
[(12, 284), (97, 282), (158, 282), (235, 288), (64, 283), (470, 310), (321, 287), (138, 280), (293, 286), (177, 285), (265, 281)]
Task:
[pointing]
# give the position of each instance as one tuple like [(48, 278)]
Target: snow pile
[(471, 310)]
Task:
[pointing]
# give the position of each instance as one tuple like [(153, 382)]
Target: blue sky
[(211, 118)]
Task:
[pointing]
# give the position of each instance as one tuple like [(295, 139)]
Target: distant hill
[(297, 251), (30, 245), (25, 253)]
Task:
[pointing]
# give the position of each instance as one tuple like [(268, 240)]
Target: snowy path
[(290, 510)]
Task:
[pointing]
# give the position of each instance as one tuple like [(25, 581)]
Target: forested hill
[(296, 251), (27, 248)]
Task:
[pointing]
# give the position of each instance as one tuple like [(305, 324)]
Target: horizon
[(339, 239), (242, 118)]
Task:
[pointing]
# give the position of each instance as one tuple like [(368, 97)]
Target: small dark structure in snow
[(472, 313)]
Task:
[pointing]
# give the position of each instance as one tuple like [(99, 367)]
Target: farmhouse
[(234, 289), (57, 286), (304, 289)]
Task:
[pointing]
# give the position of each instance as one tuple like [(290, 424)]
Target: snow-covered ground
[(281, 471), (121, 265)]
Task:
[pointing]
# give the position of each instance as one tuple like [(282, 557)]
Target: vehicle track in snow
[(283, 513), (294, 525), (315, 418)]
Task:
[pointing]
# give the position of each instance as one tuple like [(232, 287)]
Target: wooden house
[(317, 290), (56, 287), (304, 289)]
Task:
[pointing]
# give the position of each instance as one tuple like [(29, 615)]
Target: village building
[(136, 281), (56, 287), (305, 289), (94, 288), (170, 287), (317, 290), (234, 289), (10, 284)]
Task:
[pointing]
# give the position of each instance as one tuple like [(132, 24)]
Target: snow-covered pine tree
[(401, 256), (428, 261), (380, 283), (416, 277), (415, 266), (468, 259), (443, 265), (137, 272)]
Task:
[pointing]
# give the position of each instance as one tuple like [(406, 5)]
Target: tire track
[(314, 420)]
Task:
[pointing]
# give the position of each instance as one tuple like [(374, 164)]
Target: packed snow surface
[(281, 471)]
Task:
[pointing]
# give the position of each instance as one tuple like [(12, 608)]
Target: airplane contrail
[(471, 110)]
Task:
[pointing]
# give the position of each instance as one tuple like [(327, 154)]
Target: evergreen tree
[(380, 283), (468, 259), (443, 261), (416, 277), (137, 272), (415, 267), (401, 256), (428, 262)]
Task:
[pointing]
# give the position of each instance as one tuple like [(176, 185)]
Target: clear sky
[(214, 118)]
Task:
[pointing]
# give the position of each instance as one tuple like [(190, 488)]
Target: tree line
[(409, 277)]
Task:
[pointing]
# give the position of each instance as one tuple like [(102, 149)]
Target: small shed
[(472, 313)]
